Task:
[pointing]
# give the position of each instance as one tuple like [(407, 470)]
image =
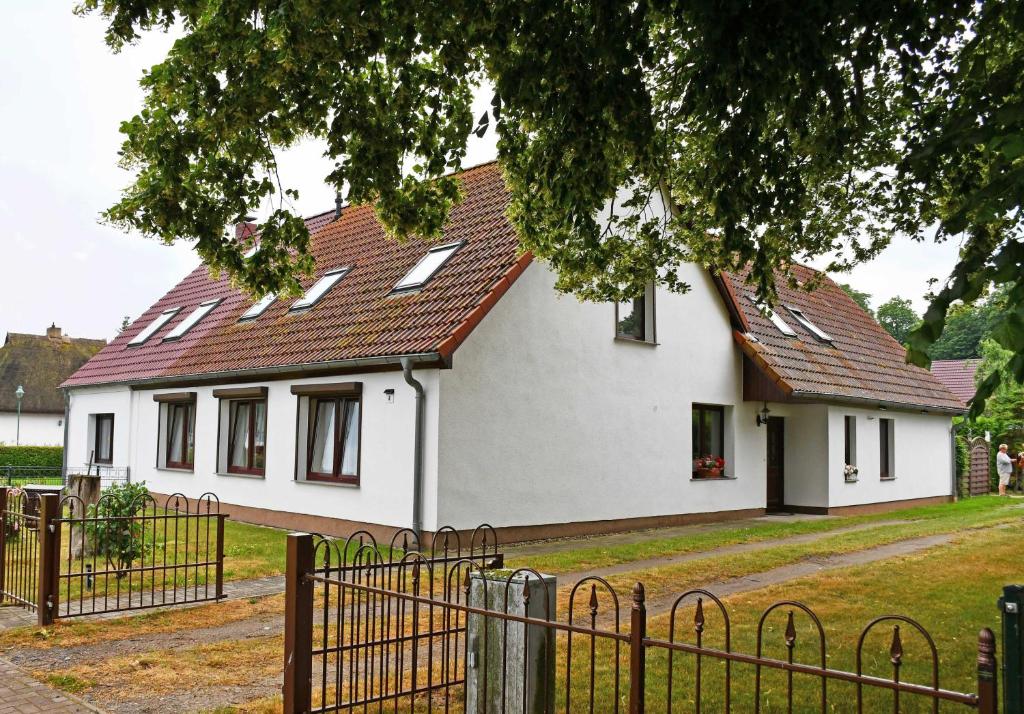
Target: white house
[(448, 384), (38, 364)]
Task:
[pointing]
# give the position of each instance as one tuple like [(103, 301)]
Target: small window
[(798, 314), (259, 307), (192, 320), (320, 288), (333, 439), (247, 441), (162, 319), (181, 426), (103, 443), (850, 440), (779, 323), (708, 425), (886, 449), (425, 269), (635, 320)]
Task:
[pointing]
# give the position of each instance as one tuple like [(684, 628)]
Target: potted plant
[(708, 466), (850, 473)]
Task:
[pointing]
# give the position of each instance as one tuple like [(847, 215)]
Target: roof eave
[(866, 401)]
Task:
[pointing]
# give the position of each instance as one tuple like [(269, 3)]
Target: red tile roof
[(358, 319), (957, 375), (864, 364)]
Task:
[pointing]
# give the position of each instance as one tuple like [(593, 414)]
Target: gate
[(979, 482), (64, 560)]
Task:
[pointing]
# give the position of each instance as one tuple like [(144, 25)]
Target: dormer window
[(259, 307), (192, 320), (798, 314), (781, 324), (425, 269), (149, 330), (320, 288)]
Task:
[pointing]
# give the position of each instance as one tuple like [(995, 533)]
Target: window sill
[(175, 469), (258, 477), (717, 478), (851, 480), (887, 478), (632, 341), (332, 484)]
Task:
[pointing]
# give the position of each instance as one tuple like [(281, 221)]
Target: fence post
[(49, 558), (3, 540), (298, 625), (637, 653), (987, 688), (1010, 605), (220, 555)]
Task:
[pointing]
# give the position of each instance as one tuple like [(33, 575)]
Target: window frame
[(250, 469), (702, 409), (252, 312), (338, 438), (849, 440), (192, 319), (334, 275), (96, 438), (453, 248), (153, 326), (805, 322), (187, 435), (886, 445), (648, 304), (771, 315)]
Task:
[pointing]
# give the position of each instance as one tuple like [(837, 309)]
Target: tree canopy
[(898, 318), (781, 131), (859, 296)]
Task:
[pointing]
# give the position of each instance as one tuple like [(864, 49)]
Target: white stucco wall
[(36, 429), (383, 496), (546, 418), (921, 451)]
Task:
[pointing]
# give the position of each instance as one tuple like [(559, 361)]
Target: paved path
[(20, 694)]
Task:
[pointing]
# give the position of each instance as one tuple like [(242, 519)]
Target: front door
[(776, 462)]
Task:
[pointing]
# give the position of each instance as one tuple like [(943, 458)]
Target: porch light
[(762, 416)]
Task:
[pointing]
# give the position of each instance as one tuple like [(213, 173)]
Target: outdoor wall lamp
[(762, 416)]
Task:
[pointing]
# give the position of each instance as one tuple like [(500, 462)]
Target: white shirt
[(1004, 465)]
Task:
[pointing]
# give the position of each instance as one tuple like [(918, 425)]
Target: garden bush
[(121, 540), (52, 456)]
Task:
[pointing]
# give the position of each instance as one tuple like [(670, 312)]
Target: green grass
[(590, 557), (69, 683)]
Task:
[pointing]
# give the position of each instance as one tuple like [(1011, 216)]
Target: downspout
[(417, 468), (64, 455)]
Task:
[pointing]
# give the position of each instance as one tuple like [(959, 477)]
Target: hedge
[(52, 456)]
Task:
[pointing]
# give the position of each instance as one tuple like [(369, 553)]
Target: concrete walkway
[(20, 694)]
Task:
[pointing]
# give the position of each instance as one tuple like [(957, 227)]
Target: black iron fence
[(401, 630), (69, 558)]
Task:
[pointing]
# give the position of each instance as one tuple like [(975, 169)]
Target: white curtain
[(350, 453), (322, 460)]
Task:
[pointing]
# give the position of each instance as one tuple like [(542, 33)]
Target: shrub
[(115, 534), (52, 456)]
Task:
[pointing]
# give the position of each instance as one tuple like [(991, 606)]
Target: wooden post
[(637, 653), (987, 681), (87, 489), (49, 559), (298, 625), (3, 539), (220, 555)]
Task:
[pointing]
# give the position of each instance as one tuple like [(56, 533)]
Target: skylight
[(194, 317), (808, 325), (158, 322), (259, 307), (429, 264), (320, 288), (774, 317)]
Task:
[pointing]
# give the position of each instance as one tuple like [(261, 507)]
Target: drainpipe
[(417, 483), (64, 456)]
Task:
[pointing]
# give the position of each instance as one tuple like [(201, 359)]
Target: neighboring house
[(38, 364), (958, 376), (542, 415)]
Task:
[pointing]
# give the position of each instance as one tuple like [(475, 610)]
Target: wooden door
[(776, 462)]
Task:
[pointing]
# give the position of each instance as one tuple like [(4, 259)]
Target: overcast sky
[(65, 94)]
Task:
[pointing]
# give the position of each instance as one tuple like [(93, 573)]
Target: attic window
[(192, 320), (808, 325), (425, 269), (320, 288), (781, 324), (158, 322), (259, 307)]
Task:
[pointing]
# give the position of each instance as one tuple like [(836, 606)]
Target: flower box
[(850, 473), (708, 473)]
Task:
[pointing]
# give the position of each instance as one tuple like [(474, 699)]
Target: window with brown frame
[(247, 436), (708, 425), (850, 440), (333, 439), (103, 443), (180, 435), (886, 448)]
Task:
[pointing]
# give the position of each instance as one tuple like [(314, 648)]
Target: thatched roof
[(39, 363)]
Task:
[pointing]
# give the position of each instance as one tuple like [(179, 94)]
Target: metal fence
[(13, 476), (418, 633), (73, 559)]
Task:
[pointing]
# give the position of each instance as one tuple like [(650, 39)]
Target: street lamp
[(18, 393)]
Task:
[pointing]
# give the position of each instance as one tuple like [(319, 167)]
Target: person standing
[(1004, 467)]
